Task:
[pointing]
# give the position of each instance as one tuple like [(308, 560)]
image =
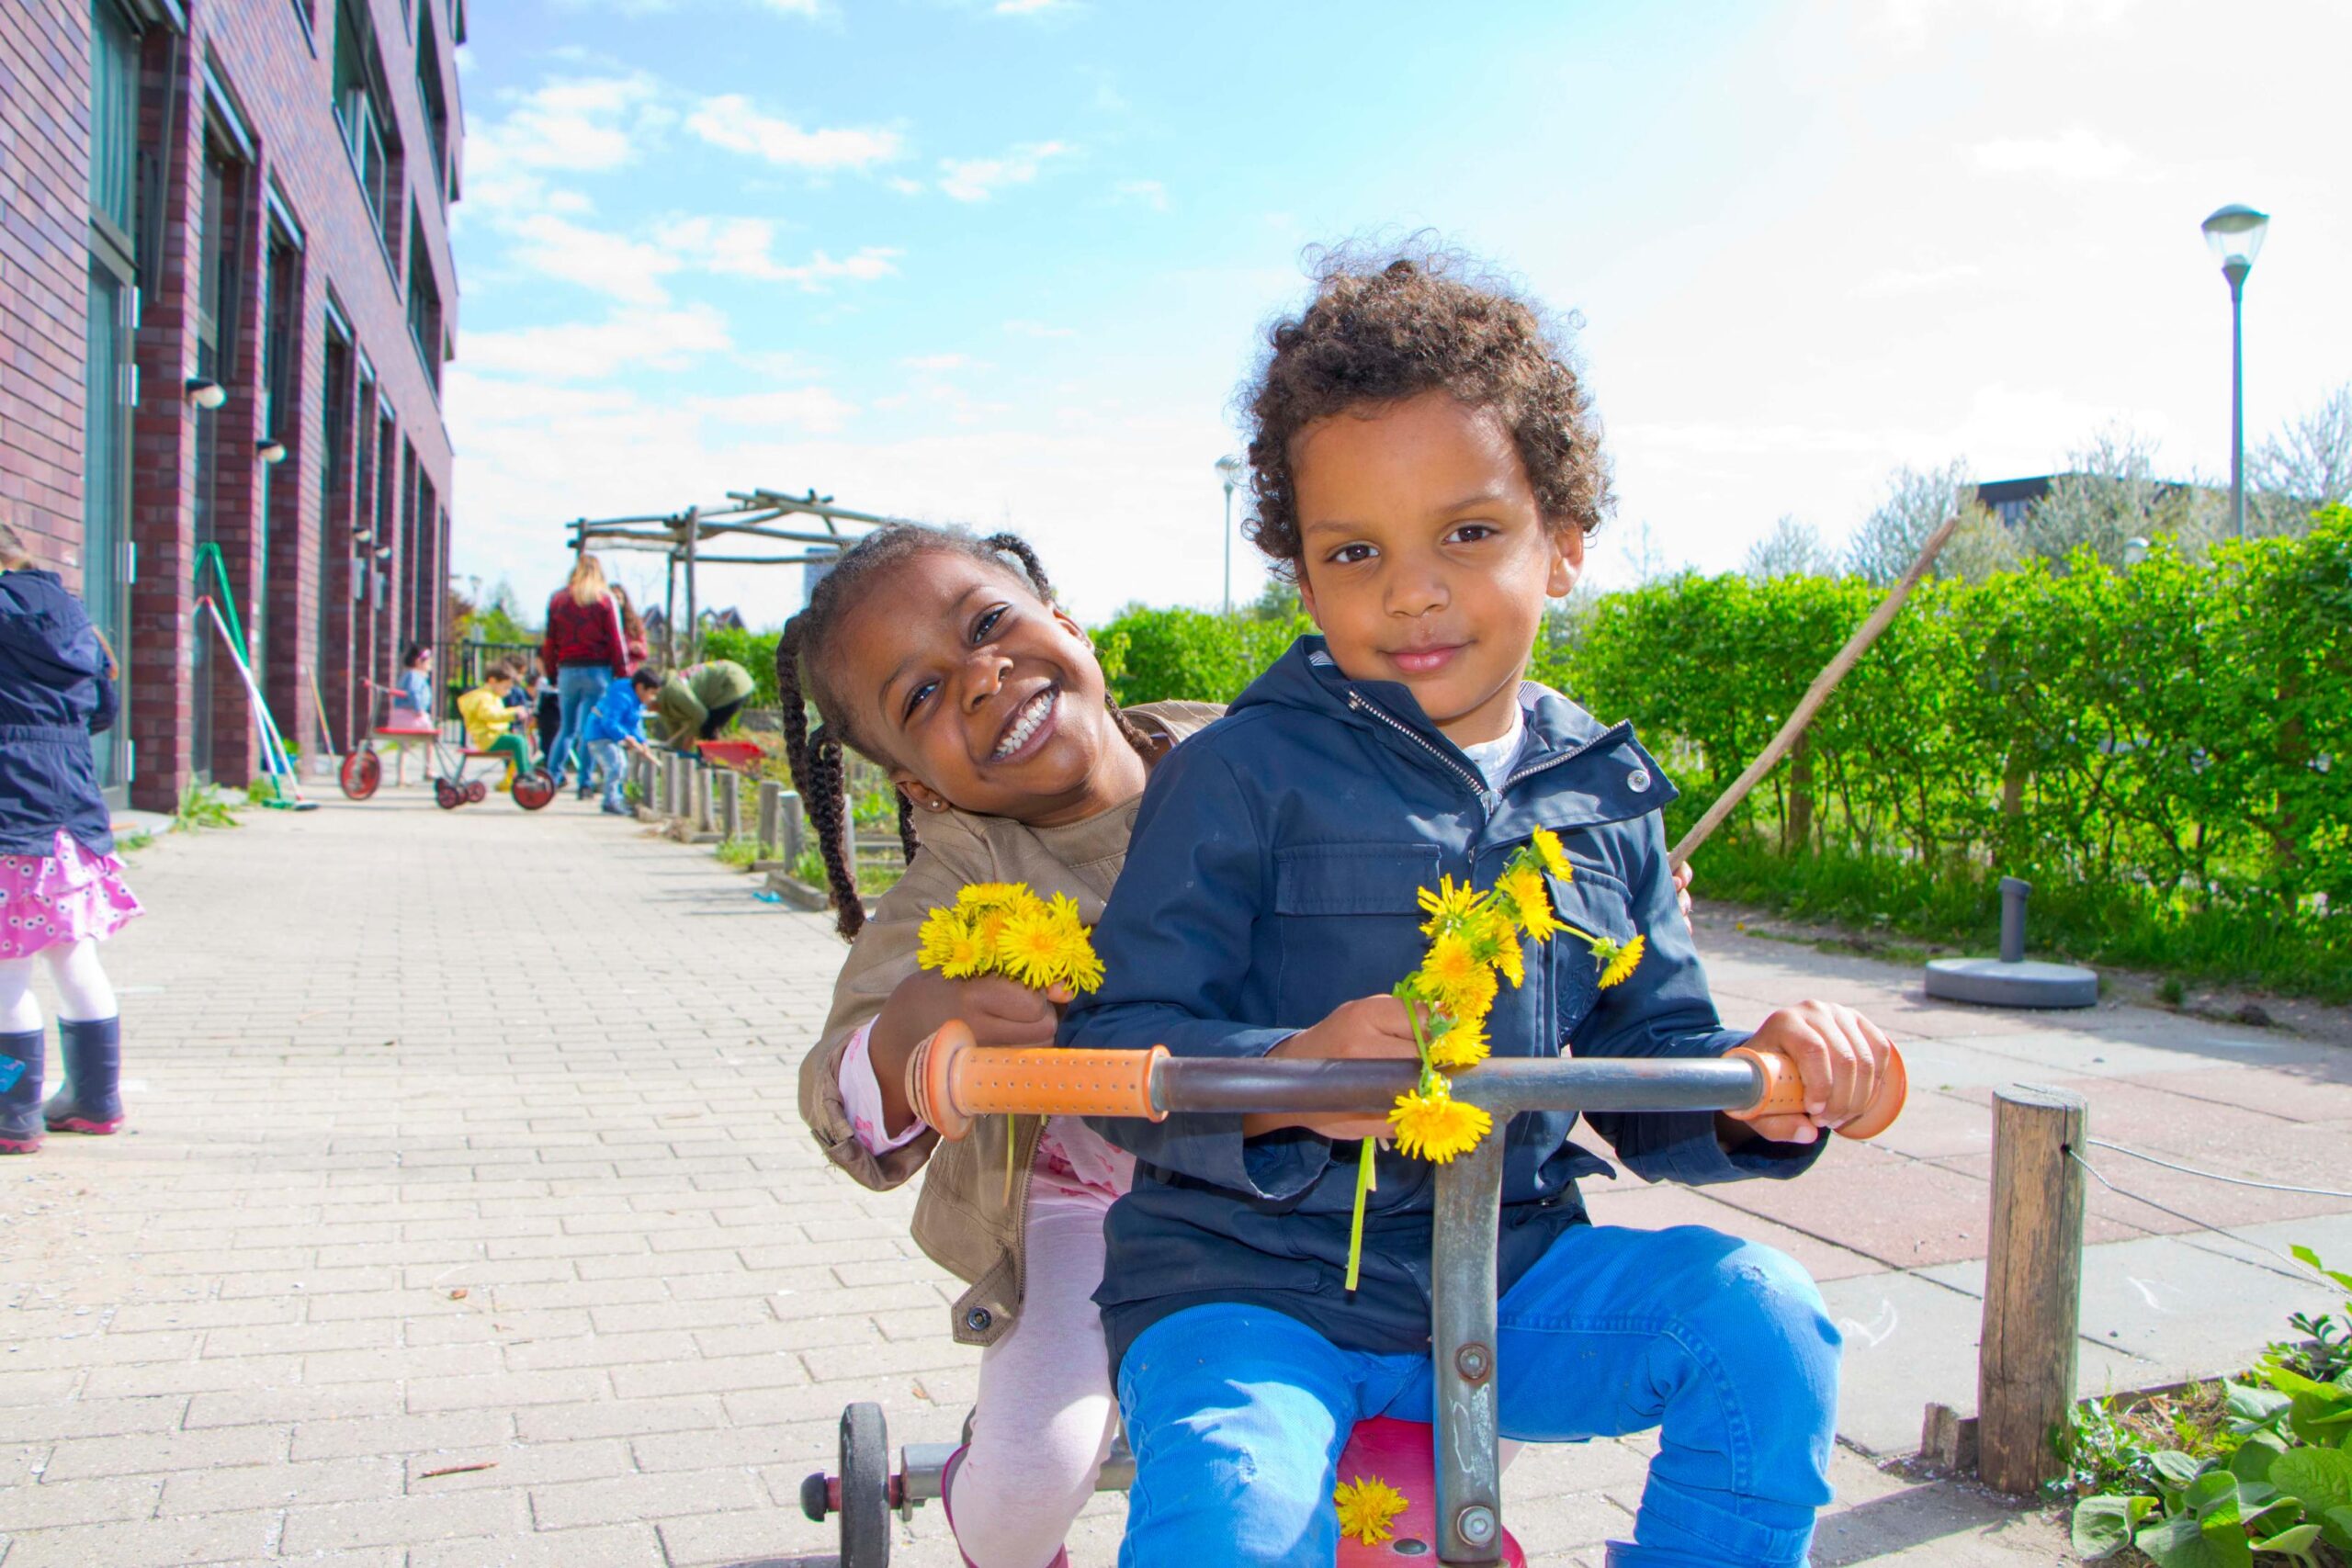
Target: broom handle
[(1815, 695)]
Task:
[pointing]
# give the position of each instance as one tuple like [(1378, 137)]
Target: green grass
[(201, 806), (133, 842), (2301, 954), (739, 852)]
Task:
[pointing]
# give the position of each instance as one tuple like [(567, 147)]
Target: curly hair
[(807, 677), (1383, 331)]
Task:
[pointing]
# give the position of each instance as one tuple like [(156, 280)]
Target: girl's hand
[(1838, 1055), (1371, 1028), (997, 1011), (1683, 891)]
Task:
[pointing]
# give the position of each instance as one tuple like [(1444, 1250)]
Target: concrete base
[(798, 894), (1991, 983)]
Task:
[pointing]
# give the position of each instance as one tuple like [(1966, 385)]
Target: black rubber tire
[(814, 1502), (361, 772), (534, 790), (477, 791), (447, 796), (866, 1488)]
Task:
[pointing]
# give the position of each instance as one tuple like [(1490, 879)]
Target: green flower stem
[(1365, 1181)]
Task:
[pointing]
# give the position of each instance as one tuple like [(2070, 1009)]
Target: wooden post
[(2033, 1276), (770, 827), (702, 813), (677, 800), (730, 806)]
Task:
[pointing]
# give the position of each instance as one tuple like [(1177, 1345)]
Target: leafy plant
[(2270, 1473), (809, 867), (201, 806), (739, 852), (133, 842)]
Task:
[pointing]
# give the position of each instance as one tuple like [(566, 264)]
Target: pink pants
[(1046, 1416)]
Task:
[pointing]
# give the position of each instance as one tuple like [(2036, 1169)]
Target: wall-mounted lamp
[(206, 393), (383, 552), (361, 536), (271, 451)]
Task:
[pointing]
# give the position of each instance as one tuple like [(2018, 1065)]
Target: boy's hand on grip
[(997, 1011), (1371, 1028), (1838, 1054)]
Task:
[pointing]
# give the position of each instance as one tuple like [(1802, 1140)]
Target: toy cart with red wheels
[(455, 779), (1450, 1472)]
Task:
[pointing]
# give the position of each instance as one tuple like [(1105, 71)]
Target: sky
[(1005, 263)]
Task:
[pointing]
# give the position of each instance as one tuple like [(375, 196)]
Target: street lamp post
[(2235, 232), (1229, 469)]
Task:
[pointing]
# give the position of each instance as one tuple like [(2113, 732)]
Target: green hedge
[(2166, 752)]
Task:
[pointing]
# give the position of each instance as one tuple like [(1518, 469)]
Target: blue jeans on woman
[(579, 688), (1237, 1414)]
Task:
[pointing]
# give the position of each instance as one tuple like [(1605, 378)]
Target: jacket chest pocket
[(1347, 921), (1594, 901)]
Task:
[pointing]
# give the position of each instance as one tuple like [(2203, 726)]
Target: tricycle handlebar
[(951, 1080)]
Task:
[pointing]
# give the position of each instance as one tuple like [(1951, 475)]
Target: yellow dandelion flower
[(936, 940), (1436, 1127), (1462, 1044), (1366, 1508), (1034, 948), (1546, 845), (991, 895), (1450, 965), (968, 955), (1622, 963), (1450, 902), (1521, 893)]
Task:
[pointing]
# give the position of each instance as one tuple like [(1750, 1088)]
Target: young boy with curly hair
[(1426, 465)]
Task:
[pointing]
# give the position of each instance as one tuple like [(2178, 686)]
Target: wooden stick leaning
[(1815, 695)]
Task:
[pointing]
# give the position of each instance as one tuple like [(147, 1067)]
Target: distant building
[(2010, 499), (226, 295)]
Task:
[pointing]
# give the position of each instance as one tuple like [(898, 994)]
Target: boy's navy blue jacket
[(1273, 876), (53, 692)]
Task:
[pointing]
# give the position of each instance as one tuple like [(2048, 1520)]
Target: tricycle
[(1450, 1472)]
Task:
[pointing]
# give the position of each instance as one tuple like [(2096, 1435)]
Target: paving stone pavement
[(464, 1219)]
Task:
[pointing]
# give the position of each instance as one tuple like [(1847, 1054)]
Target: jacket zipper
[(1401, 727), (1569, 755)]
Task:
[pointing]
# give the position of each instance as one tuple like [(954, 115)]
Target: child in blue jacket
[(1426, 467), (615, 724)]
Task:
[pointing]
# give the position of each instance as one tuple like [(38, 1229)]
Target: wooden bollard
[(677, 798), (701, 771), (2033, 1277), (771, 820), (730, 805)]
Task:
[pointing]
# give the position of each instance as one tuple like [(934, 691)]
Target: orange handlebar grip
[(951, 1081), (1784, 1093)]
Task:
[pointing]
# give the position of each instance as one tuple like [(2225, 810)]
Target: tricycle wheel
[(866, 1488), (534, 789), (447, 796), (477, 791), (360, 773)]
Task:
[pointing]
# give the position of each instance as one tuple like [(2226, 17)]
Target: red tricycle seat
[(408, 731), (1403, 1454)]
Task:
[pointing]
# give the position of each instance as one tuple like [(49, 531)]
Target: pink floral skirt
[(61, 897)]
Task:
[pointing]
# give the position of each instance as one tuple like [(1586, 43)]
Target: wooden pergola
[(761, 523)]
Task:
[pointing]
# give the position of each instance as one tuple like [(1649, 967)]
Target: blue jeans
[(578, 687), (1237, 1414), (605, 761)]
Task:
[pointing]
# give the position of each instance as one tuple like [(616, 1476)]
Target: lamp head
[(271, 452), (205, 392), (1229, 469), (2235, 234)]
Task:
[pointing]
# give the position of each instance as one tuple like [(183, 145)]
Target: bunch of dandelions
[(1003, 927), (1475, 944)]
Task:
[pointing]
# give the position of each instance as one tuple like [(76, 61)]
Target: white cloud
[(729, 121), (657, 340), (613, 265), (745, 247), (816, 409), (2075, 154), (1150, 193), (1896, 282), (575, 123), (978, 179)]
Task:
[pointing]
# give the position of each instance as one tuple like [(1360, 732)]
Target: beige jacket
[(963, 1220)]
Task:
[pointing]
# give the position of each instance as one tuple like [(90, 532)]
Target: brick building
[(226, 296)]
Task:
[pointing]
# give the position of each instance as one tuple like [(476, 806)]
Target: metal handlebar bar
[(951, 1080)]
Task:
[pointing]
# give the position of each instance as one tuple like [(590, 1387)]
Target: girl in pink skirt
[(60, 886)]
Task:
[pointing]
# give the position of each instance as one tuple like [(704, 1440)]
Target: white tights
[(83, 993), (1046, 1415)]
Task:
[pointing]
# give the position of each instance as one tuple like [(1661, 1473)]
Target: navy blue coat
[(1273, 876), (54, 692)]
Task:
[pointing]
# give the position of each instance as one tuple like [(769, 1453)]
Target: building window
[(114, 120), (437, 101), (423, 306), (362, 109)]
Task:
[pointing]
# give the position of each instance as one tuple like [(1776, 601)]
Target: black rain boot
[(88, 1101), (20, 1101)]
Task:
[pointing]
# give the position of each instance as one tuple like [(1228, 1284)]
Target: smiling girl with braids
[(945, 659)]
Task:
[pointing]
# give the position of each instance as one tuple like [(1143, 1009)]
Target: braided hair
[(804, 666)]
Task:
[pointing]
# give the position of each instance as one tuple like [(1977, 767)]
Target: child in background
[(1426, 467), (487, 720), (60, 886), (548, 714), (618, 722), (944, 658), (412, 704)]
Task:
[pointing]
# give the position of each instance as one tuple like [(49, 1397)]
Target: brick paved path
[(464, 1219)]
